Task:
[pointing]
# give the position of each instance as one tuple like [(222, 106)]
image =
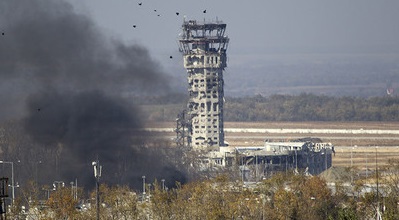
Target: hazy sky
[(255, 23), (258, 29)]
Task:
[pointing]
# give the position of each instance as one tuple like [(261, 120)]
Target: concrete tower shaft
[(204, 48)]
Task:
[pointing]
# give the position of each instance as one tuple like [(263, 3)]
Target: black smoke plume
[(69, 83)]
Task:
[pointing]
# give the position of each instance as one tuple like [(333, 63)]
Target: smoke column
[(66, 80)]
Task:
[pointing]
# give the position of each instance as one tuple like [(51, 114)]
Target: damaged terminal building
[(200, 126)]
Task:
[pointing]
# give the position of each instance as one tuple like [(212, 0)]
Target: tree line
[(310, 107), (303, 107)]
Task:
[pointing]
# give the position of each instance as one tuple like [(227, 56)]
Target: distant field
[(355, 145)]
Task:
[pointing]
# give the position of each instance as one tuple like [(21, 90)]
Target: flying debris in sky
[(155, 10)]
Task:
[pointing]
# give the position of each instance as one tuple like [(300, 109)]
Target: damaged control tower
[(204, 48)]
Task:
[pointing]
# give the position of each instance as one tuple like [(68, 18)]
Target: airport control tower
[(204, 46)]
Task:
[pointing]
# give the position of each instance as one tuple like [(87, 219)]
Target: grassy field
[(357, 150)]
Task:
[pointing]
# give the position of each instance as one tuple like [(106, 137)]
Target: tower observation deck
[(204, 48)]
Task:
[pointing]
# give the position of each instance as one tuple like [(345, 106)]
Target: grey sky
[(255, 23), (260, 30)]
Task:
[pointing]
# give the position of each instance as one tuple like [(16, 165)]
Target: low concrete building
[(258, 162)]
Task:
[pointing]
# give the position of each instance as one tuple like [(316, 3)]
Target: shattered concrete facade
[(204, 48), (258, 162), (307, 157)]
